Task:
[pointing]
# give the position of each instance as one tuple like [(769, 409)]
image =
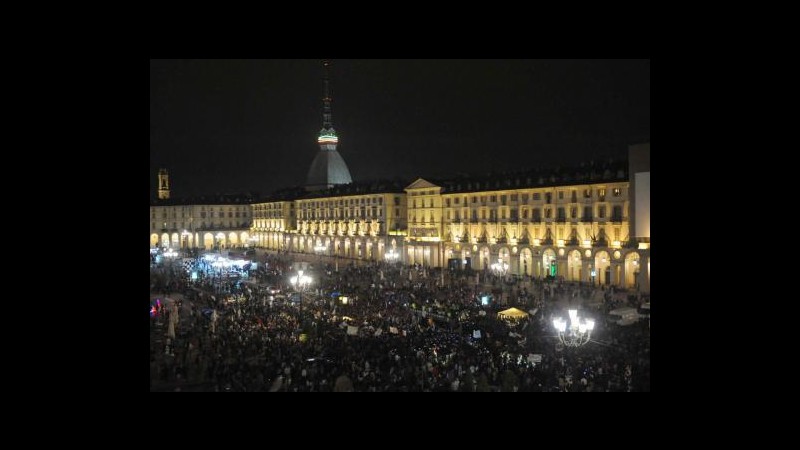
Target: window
[(474, 213), (524, 213), (587, 193), (503, 199), (397, 212), (502, 213), (587, 213), (474, 199), (548, 213), (601, 212), (493, 198), (573, 212), (457, 200), (537, 214), (537, 196), (561, 214), (574, 196), (447, 202), (483, 214), (617, 192), (514, 214), (525, 198), (561, 195), (617, 213), (513, 197), (548, 197)]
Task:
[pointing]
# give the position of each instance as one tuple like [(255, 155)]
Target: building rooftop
[(592, 172), (215, 199), (360, 188)]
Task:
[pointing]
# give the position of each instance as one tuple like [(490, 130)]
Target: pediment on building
[(421, 183)]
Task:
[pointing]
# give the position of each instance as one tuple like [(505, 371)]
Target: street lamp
[(578, 333), (300, 282), (185, 236), (220, 237), (500, 267), (391, 255)]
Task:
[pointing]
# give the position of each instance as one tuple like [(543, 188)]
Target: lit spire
[(327, 135)]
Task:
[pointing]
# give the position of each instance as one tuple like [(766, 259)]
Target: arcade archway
[(526, 261), (602, 263), (574, 266), (550, 263), (633, 265)]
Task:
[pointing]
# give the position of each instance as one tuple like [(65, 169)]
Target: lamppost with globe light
[(577, 333), (300, 282), (185, 236)]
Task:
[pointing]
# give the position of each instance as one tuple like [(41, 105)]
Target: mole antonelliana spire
[(328, 167)]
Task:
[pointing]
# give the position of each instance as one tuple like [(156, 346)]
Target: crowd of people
[(401, 329)]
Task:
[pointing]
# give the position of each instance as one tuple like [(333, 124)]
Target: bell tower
[(163, 184)]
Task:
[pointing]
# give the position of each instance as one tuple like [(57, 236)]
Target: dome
[(327, 169)]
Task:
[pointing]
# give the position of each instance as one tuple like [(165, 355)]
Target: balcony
[(586, 219), (561, 219), (617, 219)]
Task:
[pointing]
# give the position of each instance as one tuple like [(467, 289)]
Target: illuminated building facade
[(273, 219), (571, 225), (206, 222), (357, 221)]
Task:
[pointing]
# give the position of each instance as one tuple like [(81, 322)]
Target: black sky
[(225, 126)]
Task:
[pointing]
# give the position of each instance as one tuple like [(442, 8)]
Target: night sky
[(228, 126)]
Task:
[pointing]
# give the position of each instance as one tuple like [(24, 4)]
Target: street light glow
[(579, 332)]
